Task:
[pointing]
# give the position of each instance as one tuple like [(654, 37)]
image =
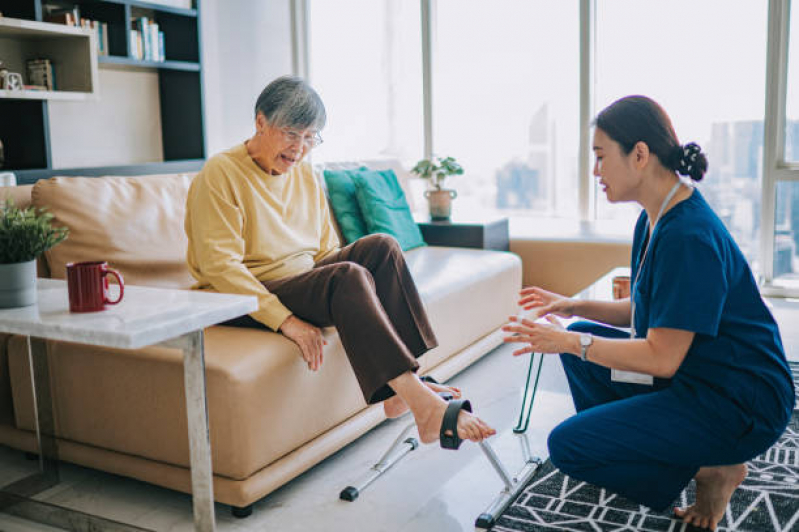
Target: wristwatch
[(585, 342)]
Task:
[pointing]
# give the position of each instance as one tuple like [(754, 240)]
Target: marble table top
[(145, 316)]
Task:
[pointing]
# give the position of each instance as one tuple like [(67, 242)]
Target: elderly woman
[(258, 224)]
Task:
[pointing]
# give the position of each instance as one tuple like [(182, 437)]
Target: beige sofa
[(270, 418)]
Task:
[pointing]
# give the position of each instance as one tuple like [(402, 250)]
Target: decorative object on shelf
[(10, 81), (437, 170), (24, 235), (41, 73)]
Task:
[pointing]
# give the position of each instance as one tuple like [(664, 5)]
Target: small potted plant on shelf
[(437, 170), (24, 235)]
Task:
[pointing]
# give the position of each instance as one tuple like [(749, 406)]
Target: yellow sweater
[(246, 226)]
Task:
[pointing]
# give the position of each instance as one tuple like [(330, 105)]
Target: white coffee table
[(146, 316)]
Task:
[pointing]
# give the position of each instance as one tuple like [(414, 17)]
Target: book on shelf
[(59, 14), (71, 17), (41, 73), (148, 40)]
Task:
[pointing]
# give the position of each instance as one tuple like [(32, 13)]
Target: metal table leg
[(16, 498), (202, 482)]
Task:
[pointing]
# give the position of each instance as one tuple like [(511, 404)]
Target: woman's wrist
[(572, 343), (574, 307)]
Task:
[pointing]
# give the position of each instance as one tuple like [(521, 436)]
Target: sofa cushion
[(134, 223), (347, 212), (263, 402), (468, 293), (384, 207)]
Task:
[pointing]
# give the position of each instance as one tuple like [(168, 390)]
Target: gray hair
[(289, 101)]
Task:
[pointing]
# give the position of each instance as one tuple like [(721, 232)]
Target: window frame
[(776, 169)]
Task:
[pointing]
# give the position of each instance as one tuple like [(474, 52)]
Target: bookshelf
[(26, 136), (73, 49)]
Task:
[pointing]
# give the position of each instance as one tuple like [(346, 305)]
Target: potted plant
[(24, 235), (437, 170)]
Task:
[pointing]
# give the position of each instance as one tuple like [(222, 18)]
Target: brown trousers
[(366, 291)]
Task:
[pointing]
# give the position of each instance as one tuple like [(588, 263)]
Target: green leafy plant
[(437, 169), (25, 233)]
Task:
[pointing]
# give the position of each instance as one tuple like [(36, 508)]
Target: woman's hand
[(540, 337), (308, 337), (546, 302)]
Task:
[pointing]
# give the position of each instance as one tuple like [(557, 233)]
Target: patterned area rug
[(767, 500)]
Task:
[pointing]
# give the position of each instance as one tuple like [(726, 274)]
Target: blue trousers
[(646, 443)]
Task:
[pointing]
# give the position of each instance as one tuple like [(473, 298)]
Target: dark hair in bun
[(634, 119)]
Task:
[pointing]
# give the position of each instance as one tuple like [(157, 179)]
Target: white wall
[(246, 44), (122, 126)]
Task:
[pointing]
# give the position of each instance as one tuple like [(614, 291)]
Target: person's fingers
[(318, 350), (520, 329), (523, 351), (554, 321), (534, 300)]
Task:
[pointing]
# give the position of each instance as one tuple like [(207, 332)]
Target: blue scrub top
[(696, 279)]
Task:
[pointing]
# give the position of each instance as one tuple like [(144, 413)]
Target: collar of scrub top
[(663, 205)]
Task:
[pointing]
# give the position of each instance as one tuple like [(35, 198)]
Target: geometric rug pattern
[(767, 500)]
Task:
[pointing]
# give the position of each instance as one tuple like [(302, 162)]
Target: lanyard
[(666, 201)]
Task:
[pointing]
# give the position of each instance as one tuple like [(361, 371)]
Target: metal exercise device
[(512, 485)]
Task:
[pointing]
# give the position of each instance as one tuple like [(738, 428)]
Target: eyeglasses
[(309, 141)]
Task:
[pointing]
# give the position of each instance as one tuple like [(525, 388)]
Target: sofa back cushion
[(133, 223)]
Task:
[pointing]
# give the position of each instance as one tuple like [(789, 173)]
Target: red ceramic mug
[(87, 285)]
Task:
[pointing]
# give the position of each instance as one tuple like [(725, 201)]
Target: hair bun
[(692, 162)]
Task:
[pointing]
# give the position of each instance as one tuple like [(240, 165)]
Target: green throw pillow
[(341, 192), (384, 207)]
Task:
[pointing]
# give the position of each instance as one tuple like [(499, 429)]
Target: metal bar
[(202, 482), (394, 446), (498, 467), (43, 409), (528, 397), (62, 518), (488, 518)]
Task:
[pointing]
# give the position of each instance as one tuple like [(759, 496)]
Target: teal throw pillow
[(384, 207), (341, 193)]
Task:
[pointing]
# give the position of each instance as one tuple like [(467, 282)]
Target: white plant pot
[(18, 284), (440, 202)]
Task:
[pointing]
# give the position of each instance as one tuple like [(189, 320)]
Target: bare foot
[(470, 427), (714, 488), (394, 406)]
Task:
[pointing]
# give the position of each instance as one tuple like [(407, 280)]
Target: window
[(792, 100), (786, 235), (366, 63), (709, 77), (505, 86)]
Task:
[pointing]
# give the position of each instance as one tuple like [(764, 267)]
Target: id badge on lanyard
[(634, 377)]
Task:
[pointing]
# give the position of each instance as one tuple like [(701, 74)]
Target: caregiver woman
[(722, 391)]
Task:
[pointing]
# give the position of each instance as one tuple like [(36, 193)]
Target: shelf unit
[(26, 132), (73, 51)]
